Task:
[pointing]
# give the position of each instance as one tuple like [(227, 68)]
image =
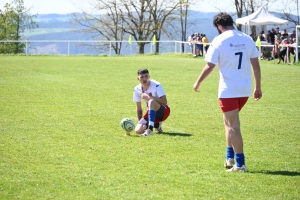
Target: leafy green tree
[(15, 19)]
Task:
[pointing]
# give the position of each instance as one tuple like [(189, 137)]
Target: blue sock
[(240, 159), (229, 153), (151, 116)]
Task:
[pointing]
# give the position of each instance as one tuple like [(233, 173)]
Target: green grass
[(61, 138)]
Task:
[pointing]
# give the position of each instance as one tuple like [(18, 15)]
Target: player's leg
[(158, 119), (234, 136), (161, 115), (153, 107), (140, 128), (234, 141), (142, 124), (233, 132)]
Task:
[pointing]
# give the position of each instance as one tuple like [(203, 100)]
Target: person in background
[(285, 34), (262, 36), (234, 52), (277, 30), (275, 53), (293, 35), (272, 39), (205, 43), (199, 45), (294, 46), (191, 43), (282, 49), (272, 36), (268, 37)]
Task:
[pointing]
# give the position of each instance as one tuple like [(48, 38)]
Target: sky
[(70, 6)]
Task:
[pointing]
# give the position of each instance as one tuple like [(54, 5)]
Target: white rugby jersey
[(155, 90), (232, 51)]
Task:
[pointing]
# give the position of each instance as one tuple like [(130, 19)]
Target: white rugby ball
[(127, 124)]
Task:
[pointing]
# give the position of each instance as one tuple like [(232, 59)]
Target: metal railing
[(96, 47), (67, 47)]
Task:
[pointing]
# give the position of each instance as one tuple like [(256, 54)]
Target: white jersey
[(155, 90), (232, 51)]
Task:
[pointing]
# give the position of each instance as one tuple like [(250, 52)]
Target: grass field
[(61, 138)]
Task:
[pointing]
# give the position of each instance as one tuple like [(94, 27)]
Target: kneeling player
[(156, 101)]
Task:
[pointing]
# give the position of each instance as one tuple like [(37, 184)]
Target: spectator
[(191, 43), (198, 44), (201, 45), (275, 52), (293, 51), (205, 41), (272, 36), (268, 37), (277, 30), (282, 49), (262, 36), (285, 34), (293, 35)]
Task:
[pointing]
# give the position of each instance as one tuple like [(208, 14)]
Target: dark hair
[(143, 71), (223, 19)]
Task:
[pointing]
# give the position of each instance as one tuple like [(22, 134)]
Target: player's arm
[(257, 78), (139, 110), (205, 72), (160, 100)]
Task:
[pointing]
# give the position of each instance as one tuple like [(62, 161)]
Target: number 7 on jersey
[(240, 59)]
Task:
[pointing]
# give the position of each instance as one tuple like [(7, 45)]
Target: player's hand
[(257, 94), (196, 87), (145, 96)]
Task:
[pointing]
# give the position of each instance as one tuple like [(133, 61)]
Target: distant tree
[(142, 19), (108, 25), (7, 28), (14, 20), (184, 8), (163, 12), (138, 20), (291, 11)]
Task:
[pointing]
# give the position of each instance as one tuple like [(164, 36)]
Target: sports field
[(61, 137)]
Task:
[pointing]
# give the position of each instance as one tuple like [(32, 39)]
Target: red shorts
[(161, 115), (229, 104)]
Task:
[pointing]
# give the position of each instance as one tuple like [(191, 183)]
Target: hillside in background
[(58, 27)]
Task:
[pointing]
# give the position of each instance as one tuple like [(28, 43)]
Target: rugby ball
[(127, 124)]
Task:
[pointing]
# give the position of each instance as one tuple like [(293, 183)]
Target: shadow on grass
[(176, 134), (164, 133), (282, 173)]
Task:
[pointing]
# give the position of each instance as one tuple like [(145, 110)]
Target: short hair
[(223, 19), (143, 71)]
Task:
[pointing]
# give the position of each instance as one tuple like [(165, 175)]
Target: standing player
[(234, 52), (156, 102)]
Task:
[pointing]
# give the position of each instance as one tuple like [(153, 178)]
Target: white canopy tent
[(260, 17)]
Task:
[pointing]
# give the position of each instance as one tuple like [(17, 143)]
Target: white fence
[(87, 47), (96, 47)]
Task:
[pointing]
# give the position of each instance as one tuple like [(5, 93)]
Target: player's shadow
[(282, 173), (176, 134)]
